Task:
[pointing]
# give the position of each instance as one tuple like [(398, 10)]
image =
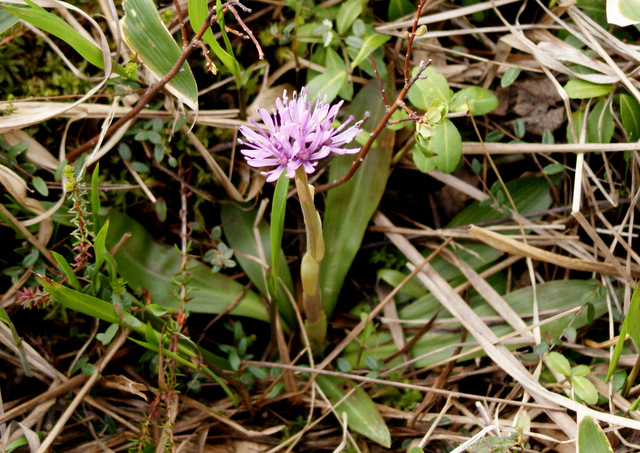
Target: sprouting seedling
[(298, 135)]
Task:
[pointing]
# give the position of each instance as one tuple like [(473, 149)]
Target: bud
[(422, 29), (407, 35)]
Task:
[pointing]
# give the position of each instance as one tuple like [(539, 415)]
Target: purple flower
[(298, 135)]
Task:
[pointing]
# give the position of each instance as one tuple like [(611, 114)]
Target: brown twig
[(376, 132), (390, 109)]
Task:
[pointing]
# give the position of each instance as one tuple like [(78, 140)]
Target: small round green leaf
[(476, 100), (559, 363), (509, 76), (584, 389), (553, 169), (40, 186)]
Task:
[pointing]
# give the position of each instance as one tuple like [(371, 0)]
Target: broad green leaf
[(198, 11), (7, 20), (394, 278), (348, 13), (370, 43), (585, 390), (478, 100), (362, 415), (425, 91), (591, 438), (66, 268), (238, 229), (150, 39), (595, 9), (559, 363), (333, 62), (630, 116), (108, 335), (327, 85), (434, 347), (509, 76), (600, 124), (351, 205), (630, 9), (146, 264), (49, 22), (581, 89), (400, 8), (529, 195), (443, 149), (580, 370)]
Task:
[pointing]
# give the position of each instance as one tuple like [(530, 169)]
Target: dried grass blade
[(514, 247)]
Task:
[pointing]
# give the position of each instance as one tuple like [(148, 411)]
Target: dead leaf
[(124, 384)]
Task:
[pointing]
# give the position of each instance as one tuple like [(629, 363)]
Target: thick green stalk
[(316, 323)]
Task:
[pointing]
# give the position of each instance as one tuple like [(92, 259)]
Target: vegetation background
[(480, 251)]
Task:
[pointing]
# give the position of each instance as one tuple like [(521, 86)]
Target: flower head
[(298, 135)]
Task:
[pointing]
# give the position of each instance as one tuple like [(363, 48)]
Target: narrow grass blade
[(362, 415), (150, 39)]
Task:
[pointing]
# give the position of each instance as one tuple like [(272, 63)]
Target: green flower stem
[(316, 324)]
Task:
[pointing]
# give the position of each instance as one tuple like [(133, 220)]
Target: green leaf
[(630, 9), (95, 198), (585, 390), (434, 347), (80, 302), (278, 211), (49, 22), (143, 263), (350, 206), (595, 9), (348, 13), (580, 370), (509, 76), (66, 268), (591, 438), (108, 335), (362, 415), (238, 228), (478, 100), (630, 116), (327, 84), (100, 248), (7, 20), (400, 8), (370, 43), (581, 89), (425, 91), (600, 124), (150, 39), (528, 194), (40, 186), (577, 118), (559, 363), (394, 278), (443, 150), (553, 169)]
